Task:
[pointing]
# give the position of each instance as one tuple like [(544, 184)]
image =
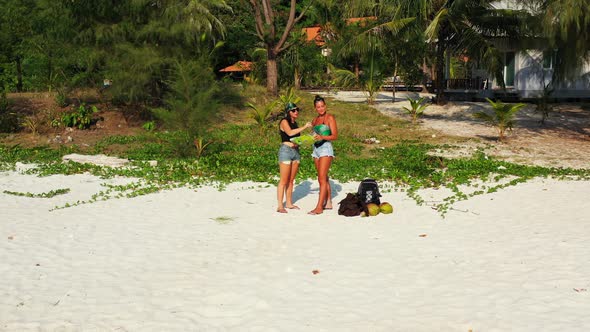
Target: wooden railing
[(466, 84)]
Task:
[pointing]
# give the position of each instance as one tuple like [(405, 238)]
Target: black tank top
[(284, 136)]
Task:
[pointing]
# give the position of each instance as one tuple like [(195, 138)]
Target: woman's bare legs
[(285, 186), (290, 185), (328, 201), (322, 166)]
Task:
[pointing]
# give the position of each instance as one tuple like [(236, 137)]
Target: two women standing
[(325, 131)]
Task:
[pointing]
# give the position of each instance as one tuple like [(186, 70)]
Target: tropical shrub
[(61, 99), (32, 123), (289, 97), (201, 145), (262, 115), (80, 118), (149, 126), (503, 117), (8, 119), (543, 105), (370, 81), (191, 102), (416, 108)]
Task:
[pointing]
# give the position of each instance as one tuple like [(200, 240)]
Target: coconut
[(373, 209), (385, 208)]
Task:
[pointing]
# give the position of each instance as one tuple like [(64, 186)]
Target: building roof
[(239, 66), (313, 34), (360, 20)]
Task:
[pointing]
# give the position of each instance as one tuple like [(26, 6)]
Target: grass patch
[(49, 194)]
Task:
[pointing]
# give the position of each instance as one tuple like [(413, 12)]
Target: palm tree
[(566, 26), (471, 28), (503, 117), (371, 40)]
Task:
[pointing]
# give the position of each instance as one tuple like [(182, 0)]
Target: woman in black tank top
[(289, 157)]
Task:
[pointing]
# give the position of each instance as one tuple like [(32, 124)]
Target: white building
[(528, 72)]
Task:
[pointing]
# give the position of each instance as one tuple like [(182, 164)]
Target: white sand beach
[(210, 260)]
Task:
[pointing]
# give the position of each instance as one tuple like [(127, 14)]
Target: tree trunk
[(440, 74), (266, 23), (394, 78), (49, 73), (272, 74), (425, 70), (297, 79), (19, 74)]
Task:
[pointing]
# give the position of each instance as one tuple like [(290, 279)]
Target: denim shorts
[(288, 154), (325, 150)]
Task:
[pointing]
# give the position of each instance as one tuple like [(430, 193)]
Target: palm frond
[(433, 28), (343, 77), (502, 117), (261, 115)]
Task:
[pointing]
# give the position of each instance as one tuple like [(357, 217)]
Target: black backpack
[(369, 191)]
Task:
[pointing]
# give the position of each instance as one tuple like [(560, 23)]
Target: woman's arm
[(287, 130)]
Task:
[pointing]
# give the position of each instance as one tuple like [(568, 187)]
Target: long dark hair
[(287, 117)]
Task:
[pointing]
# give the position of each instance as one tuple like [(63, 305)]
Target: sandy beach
[(210, 260)]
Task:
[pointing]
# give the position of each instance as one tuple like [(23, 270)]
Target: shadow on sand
[(305, 188)]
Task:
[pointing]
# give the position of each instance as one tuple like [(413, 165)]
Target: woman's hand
[(307, 125)]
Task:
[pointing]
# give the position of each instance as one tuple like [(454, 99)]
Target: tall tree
[(565, 24), (53, 32), (141, 40), (472, 28), (15, 24), (239, 39), (373, 35), (274, 32)]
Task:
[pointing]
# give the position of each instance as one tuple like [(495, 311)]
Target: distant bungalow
[(526, 72), (239, 69)]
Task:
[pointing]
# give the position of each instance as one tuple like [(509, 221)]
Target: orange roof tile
[(238, 66), (313, 34), (360, 20)]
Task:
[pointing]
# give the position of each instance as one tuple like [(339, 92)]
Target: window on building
[(509, 68)]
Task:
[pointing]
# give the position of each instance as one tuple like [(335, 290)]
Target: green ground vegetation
[(236, 148)]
